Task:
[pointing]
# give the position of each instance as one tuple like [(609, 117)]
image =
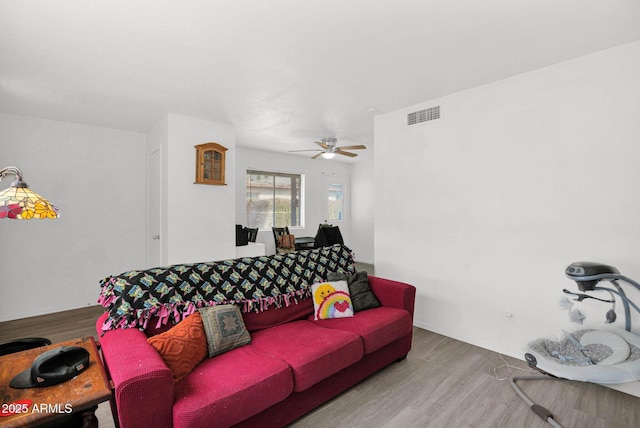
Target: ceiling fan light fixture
[(328, 149)]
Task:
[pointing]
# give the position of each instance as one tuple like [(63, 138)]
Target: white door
[(336, 204), (154, 248)]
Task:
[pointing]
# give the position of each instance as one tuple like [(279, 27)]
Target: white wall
[(314, 170), (198, 219), (363, 213), (95, 176), (483, 209)]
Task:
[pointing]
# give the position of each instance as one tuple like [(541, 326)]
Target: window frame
[(275, 175)]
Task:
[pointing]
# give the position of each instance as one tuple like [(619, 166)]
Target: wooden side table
[(75, 400)]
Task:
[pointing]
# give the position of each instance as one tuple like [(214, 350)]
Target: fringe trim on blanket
[(178, 312)]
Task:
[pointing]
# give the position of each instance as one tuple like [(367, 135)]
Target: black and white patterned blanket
[(253, 283)]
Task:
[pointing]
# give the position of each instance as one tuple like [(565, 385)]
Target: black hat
[(52, 367)]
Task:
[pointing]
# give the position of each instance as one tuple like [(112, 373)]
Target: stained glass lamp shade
[(21, 203)]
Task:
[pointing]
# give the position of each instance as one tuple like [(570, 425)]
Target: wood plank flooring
[(447, 383), (442, 383), (57, 327)]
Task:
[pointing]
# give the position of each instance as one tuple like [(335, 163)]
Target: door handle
[(155, 237)]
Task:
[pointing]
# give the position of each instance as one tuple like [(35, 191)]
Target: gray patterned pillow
[(224, 328)]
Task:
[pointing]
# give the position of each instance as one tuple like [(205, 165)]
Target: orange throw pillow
[(183, 346)]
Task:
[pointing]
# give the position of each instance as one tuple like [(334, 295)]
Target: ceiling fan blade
[(323, 145), (315, 156), (306, 150), (340, 152), (358, 147)]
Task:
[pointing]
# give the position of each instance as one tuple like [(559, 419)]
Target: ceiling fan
[(329, 149)]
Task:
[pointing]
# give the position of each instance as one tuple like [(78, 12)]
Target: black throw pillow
[(361, 295)]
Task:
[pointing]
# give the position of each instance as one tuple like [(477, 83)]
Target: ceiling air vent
[(425, 115)]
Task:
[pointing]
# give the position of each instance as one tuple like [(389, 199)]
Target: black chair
[(242, 237), (277, 233), (252, 233), (23, 344), (328, 235)]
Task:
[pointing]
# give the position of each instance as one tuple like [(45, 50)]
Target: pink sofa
[(292, 365)]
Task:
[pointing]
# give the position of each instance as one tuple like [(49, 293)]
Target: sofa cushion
[(224, 328), (183, 346), (269, 317), (155, 326), (275, 316), (331, 300), (229, 388), (314, 353), (377, 327)]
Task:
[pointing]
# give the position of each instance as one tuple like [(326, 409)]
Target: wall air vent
[(431, 113)]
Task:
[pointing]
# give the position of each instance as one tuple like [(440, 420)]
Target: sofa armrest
[(143, 383), (393, 293)]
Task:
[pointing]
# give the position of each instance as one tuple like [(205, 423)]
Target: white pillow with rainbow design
[(331, 300)]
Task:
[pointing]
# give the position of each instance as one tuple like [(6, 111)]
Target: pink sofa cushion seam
[(377, 327), (230, 387), (314, 353)]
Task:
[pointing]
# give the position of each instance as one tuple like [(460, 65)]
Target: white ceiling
[(283, 72)]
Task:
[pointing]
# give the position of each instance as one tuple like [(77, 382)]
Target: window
[(274, 199), (335, 201)]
